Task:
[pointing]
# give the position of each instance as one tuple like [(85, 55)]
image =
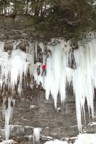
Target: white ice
[(36, 134), (14, 67), (7, 113)]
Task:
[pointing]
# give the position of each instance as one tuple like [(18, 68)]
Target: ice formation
[(8, 105), (82, 76), (15, 66), (36, 135), (80, 139), (55, 80)]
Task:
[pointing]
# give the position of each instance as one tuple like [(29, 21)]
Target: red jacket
[(43, 67)]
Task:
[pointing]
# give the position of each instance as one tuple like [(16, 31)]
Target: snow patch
[(56, 142), (86, 139), (8, 142)]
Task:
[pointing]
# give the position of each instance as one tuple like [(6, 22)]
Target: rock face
[(20, 28), (32, 110)]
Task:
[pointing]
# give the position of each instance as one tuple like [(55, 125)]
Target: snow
[(8, 142), (86, 139), (56, 142), (92, 123), (33, 106)]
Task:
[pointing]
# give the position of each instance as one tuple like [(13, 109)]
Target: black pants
[(44, 72)]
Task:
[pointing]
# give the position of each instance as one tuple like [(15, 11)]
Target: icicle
[(55, 80), (36, 135), (83, 79), (3, 68), (17, 67), (64, 64), (8, 105), (47, 84), (56, 72), (77, 84)]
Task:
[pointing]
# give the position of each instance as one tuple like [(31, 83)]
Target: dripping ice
[(8, 105), (17, 64), (36, 135)]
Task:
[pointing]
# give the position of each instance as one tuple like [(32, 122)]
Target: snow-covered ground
[(8, 142), (81, 139)]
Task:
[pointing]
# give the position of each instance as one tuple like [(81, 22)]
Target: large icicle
[(57, 71), (17, 67), (84, 79)]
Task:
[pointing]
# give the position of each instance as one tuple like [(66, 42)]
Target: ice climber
[(44, 70)]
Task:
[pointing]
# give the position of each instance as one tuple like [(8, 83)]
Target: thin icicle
[(47, 84), (8, 105), (62, 88)]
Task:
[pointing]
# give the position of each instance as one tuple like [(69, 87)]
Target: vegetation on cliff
[(53, 18)]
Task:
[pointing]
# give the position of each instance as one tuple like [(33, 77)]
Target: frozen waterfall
[(15, 66)]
